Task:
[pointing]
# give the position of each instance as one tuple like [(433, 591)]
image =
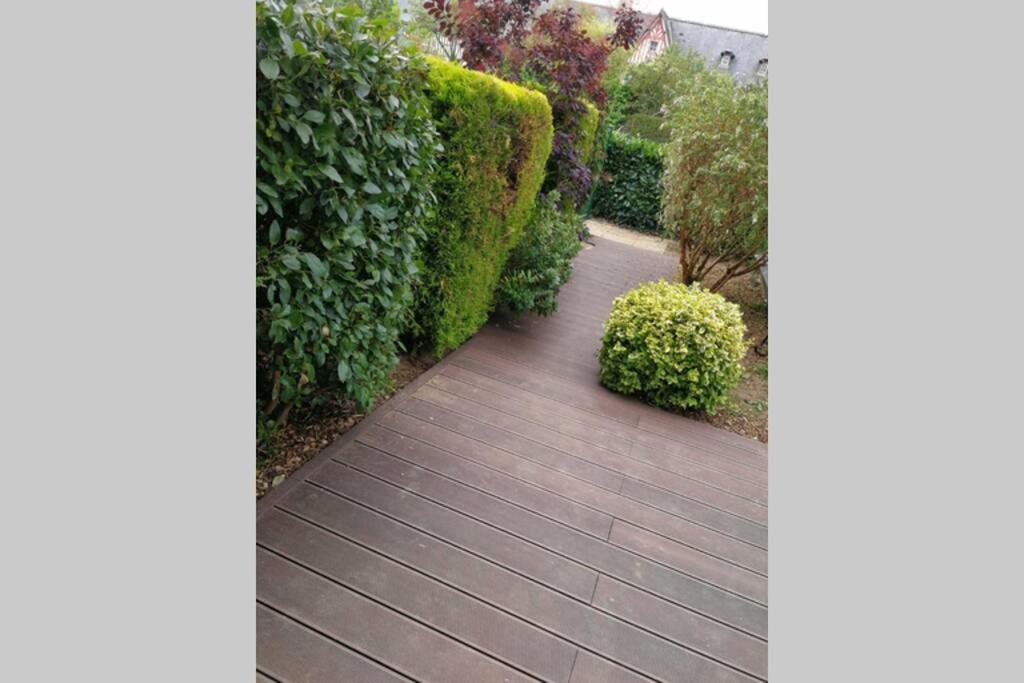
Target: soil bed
[(312, 429), (746, 411)]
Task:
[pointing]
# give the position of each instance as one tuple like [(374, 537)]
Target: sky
[(751, 15)]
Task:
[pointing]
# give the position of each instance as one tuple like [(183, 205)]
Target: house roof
[(748, 48)]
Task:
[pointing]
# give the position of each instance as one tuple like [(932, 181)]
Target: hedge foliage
[(497, 139), (629, 192), (542, 261), (673, 345), (345, 146), (587, 135)]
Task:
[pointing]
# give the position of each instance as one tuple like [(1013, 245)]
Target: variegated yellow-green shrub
[(673, 346)]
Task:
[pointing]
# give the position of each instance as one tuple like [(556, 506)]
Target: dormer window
[(725, 61), (762, 69)]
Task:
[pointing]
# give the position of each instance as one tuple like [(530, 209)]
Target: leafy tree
[(644, 91), (716, 178), (424, 32)]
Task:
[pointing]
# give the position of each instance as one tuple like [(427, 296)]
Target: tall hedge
[(587, 135), (497, 138), (345, 145), (629, 190)]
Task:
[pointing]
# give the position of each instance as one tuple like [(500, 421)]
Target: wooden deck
[(505, 518)]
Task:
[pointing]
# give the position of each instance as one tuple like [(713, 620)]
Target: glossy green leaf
[(270, 68)]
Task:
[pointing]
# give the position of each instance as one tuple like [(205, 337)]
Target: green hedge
[(587, 136), (497, 138), (345, 146), (673, 346), (629, 189)]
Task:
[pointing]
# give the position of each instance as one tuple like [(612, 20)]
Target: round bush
[(673, 346)]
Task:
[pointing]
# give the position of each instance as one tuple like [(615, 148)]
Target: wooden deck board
[(505, 518)]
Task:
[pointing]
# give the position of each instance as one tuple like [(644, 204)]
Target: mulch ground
[(746, 411), (311, 430)]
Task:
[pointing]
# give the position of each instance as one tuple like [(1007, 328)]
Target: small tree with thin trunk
[(716, 179)]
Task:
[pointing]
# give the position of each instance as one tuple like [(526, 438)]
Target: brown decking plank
[(650, 446), (468, 534), (733, 525), (376, 631), (522, 469), (658, 474), (525, 377), (588, 394), (291, 652), (691, 441), (494, 481), (591, 669), (695, 632), (590, 552), (423, 599), (643, 442), (594, 496), (552, 611), (705, 435), (554, 406), (689, 561), (526, 347), (663, 423), (513, 443), (534, 409)]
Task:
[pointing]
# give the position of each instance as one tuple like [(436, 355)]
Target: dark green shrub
[(497, 137), (629, 191), (673, 346), (542, 261), (345, 147)]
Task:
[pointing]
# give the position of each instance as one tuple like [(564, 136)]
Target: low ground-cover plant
[(345, 147), (673, 345), (629, 191), (542, 261), (715, 188), (497, 138)]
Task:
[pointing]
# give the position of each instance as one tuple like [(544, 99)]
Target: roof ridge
[(719, 26), (656, 15)]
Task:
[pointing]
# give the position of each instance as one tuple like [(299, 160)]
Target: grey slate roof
[(711, 41)]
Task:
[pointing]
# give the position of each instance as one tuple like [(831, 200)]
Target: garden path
[(506, 518)]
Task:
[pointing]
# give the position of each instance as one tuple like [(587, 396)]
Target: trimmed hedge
[(497, 138), (542, 261), (345, 146), (629, 191), (673, 345), (587, 135)]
